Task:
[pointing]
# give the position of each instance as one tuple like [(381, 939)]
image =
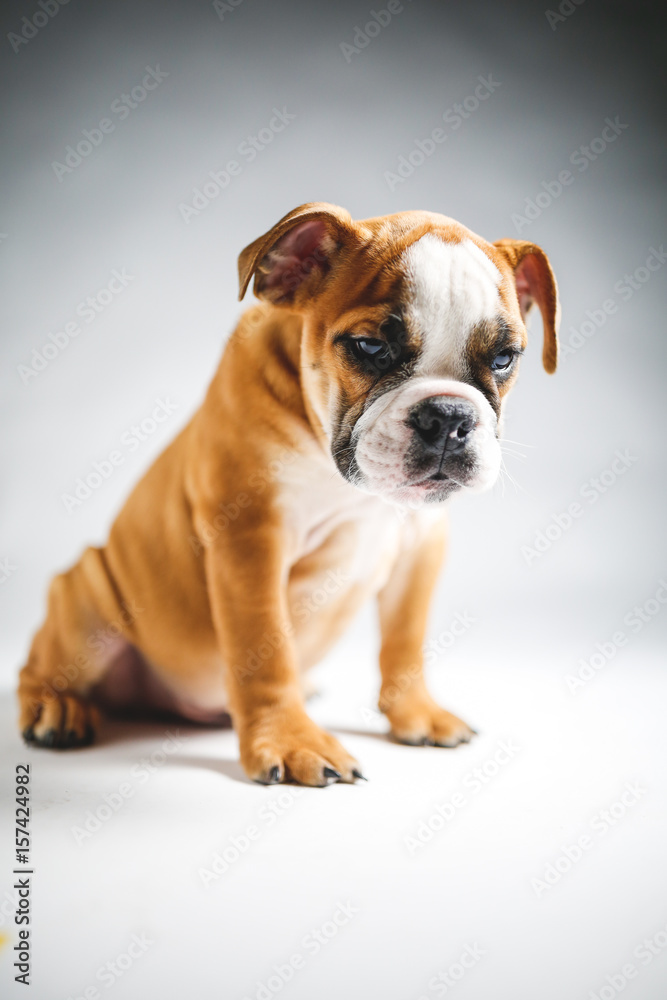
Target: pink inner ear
[(295, 255), (525, 281)]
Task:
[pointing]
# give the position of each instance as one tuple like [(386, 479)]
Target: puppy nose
[(443, 422)]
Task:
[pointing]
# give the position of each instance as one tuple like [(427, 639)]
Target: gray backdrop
[(356, 113), (99, 200)]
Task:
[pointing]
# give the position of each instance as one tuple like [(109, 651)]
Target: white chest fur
[(318, 503)]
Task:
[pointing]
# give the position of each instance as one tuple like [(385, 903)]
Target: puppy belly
[(130, 684)]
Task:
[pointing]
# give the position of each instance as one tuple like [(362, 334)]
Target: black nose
[(443, 422)]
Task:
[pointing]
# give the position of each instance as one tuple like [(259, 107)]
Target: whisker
[(507, 476), (521, 444), (341, 451)]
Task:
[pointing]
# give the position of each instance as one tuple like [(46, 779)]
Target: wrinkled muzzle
[(422, 441)]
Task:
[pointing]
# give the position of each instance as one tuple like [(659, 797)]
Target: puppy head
[(412, 334)]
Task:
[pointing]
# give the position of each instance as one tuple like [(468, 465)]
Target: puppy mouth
[(423, 450), (435, 487), (435, 477), (438, 472)]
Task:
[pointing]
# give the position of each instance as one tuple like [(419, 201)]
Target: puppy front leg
[(247, 579), (404, 604)]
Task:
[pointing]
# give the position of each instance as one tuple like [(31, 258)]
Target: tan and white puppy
[(365, 390)]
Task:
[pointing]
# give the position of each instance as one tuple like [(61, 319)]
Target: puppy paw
[(61, 723), (422, 722), (290, 747)]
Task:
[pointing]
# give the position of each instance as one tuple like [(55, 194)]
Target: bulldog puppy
[(364, 390)]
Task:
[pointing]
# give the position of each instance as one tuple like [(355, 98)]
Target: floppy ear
[(535, 282), (295, 255)]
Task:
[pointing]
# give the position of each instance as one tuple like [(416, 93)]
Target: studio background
[(536, 608)]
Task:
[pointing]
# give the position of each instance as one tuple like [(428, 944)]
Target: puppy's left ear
[(535, 282), (291, 260)]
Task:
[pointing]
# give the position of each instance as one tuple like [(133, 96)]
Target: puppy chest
[(348, 549)]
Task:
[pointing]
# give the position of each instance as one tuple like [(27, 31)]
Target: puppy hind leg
[(69, 654)]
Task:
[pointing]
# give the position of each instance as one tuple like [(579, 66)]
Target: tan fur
[(211, 565)]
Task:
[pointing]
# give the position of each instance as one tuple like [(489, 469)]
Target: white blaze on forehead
[(451, 288)]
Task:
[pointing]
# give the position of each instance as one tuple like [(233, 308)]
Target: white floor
[(364, 891)]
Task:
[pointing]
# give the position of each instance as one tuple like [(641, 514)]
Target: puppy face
[(413, 330), (425, 420)]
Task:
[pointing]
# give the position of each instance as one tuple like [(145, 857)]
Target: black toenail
[(358, 774)]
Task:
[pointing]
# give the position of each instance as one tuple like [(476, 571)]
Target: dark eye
[(367, 348), (376, 355), (502, 361)]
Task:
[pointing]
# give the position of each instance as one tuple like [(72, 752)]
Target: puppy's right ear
[(292, 259), (535, 282)]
